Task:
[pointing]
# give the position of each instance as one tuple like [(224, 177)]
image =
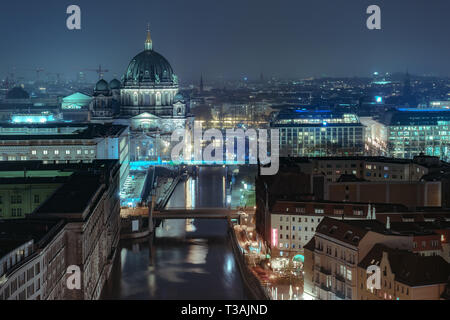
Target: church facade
[(147, 100)]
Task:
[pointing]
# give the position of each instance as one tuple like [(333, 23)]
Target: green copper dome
[(149, 66), (114, 84), (102, 86)]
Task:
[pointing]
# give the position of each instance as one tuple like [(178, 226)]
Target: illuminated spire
[(148, 41)]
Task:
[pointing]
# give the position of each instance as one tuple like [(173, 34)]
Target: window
[(318, 210), (349, 274), (67, 151), (16, 212), (33, 152), (36, 198), (56, 152), (86, 151), (16, 199), (78, 151), (45, 152)]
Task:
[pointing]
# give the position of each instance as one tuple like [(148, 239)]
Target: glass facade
[(319, 133)]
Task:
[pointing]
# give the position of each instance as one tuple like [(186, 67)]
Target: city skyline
[(298, 39), (239, 150)]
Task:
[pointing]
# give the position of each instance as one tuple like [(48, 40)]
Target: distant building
[(407, 132), (75, 107), (106, 101), (319, 133), (150, 85), (18, 101), (65, 142)]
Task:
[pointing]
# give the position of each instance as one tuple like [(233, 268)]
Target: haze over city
[(229, 39), (211, 158)]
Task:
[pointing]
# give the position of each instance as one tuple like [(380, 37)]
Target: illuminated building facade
[(150, 85), (319, 133), (65, 143), (410, 132)]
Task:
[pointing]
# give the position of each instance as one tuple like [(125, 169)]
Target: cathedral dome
[(178, 98), (114, 84), (101, 86), (149, 67)]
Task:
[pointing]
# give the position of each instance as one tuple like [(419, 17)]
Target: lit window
[(78, 151), (45, 152), (56, 152), (67, 151), (33, 152)]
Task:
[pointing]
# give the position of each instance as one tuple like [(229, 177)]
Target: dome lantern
[(148, 41)]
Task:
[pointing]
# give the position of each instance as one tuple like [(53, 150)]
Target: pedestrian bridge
[(197, 213), (143, 165)]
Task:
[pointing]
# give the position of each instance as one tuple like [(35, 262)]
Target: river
[(186, 259)]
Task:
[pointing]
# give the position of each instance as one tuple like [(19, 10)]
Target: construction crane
[(99, 71)]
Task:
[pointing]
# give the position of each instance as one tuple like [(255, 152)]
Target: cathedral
[(147, 100)]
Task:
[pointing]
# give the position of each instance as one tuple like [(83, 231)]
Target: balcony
[(324, 287), (340, 295), (325, 271), (339, 277)]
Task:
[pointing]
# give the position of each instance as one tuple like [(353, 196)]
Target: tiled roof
[(409, 268)]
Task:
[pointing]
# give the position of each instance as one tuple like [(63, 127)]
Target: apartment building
[(332, 256), (403, 275), (294, 223)]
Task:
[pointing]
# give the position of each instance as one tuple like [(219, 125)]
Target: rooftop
[(67, 131), (14, 233), (349, 231), (409, 268)]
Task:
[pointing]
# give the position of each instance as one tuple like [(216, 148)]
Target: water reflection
[(186, 259)]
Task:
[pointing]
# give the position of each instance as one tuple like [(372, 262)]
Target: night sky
[(230, 39)]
